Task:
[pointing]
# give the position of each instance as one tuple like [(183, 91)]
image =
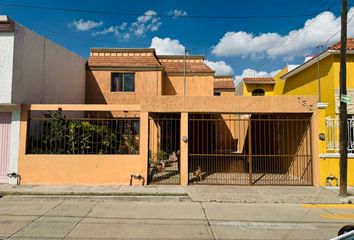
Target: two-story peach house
[(126, 75), (166, 120)]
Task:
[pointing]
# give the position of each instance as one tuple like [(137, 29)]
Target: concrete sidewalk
[(35, 217), (267, 194), (234, 194)]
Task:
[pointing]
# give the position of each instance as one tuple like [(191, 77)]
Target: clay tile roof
[(115, 57), (120, 61), (177, 67), (181, 57), (259, 80), (224, 78), (175, 64), (350, 45), (224, 84)]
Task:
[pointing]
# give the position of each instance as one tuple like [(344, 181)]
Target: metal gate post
[(250, 151), (184, 149)]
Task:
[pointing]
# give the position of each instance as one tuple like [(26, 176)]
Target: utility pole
[(343, 132), (185, 72)]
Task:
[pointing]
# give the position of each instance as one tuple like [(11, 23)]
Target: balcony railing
[(332, 134)]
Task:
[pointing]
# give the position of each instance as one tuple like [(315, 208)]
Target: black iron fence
[(164, 149), (57, 132), (250, 149)]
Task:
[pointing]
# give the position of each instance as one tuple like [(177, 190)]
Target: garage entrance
[(250, 149)]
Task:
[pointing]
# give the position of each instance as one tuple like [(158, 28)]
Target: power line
[(263, 23), (139, 14), (267, 21), (332, 36)]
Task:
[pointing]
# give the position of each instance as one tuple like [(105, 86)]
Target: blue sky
[(267, 36)]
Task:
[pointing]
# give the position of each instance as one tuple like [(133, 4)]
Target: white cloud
[(112, 29), (253, 73), (220, 67), (147, 22), (177, 13), (82, 25), (298, 42), (167, 46)]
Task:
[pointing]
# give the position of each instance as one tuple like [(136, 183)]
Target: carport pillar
[(144, 143), (184, 149)]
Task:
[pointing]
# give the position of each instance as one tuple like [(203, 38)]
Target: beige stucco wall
[(45, 72)]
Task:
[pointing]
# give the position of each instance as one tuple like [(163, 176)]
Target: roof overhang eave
[(312, 61), (257, 83), (306, 65)]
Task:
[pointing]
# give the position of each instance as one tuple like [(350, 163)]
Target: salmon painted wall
[(100, 169), (197, 85), (226, 92), (147, 83), (98, 87)]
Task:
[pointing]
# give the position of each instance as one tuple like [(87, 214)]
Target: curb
[(95, 194)]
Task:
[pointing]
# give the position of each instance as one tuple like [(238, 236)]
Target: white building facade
[(33, 69)]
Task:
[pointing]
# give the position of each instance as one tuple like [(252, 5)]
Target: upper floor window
[(258, 92), (123, 82)]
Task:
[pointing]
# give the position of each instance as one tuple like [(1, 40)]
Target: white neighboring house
[(33, 69)]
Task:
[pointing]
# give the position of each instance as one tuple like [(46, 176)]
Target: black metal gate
[(164, 149), (245, 149)]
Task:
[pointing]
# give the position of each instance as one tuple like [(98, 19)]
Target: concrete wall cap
[(322, 105)]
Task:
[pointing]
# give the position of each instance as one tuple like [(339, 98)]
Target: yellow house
[(319, 76), (257, 86)]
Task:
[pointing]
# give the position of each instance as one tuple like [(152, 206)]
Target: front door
[(5, 125)]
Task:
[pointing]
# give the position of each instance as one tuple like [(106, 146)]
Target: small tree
[(54, 131), (128, 143)]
